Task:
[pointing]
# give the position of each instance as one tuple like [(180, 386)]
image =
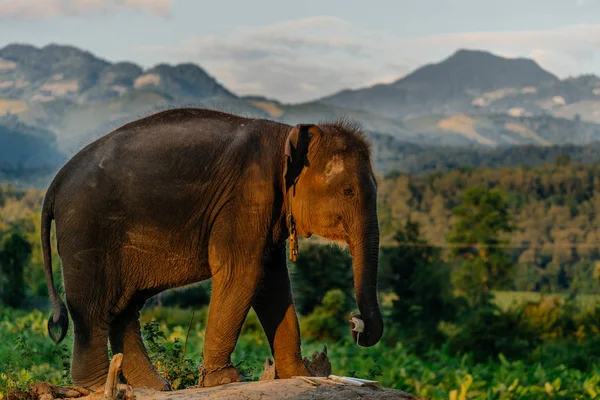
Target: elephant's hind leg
[(89, 364), (126, 338)]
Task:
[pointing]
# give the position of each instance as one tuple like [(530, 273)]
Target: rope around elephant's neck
[(302, 149), (292, 225)]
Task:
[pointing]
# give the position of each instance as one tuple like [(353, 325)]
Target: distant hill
[(447, 87), (27, 154), (478, 82), (65, 72), (472, 100), (77, 124), (491, 130), (478, 71), (314, 112)]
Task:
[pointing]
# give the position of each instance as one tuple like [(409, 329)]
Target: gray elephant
[(189, 194)]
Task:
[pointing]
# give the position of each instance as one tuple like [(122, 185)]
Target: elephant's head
[(333, 194)]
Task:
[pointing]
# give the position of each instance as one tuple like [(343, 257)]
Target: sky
[(300, 50)]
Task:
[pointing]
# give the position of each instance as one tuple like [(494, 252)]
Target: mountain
[(450, 86), (58, 72), (479, 71), (472, 99), (27, 153), (77, 124), (493, 130), (183, 81), (300, 113)]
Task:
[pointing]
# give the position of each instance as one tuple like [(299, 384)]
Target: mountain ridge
[(448, 86), (62, 71), (471, 97)]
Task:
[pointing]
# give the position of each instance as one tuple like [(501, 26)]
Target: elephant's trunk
[(364, 247)]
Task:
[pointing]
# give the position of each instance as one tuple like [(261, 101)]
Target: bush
[(169, 358), (328, 321), (27, 355), (546, 331)]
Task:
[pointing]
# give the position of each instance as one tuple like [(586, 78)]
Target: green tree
[(414, 272), (319, 269), (482, 263), (14, 255)]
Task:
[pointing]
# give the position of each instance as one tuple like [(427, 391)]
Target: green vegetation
[(461, 253), (554, 246), (437, 374), (480, 264), (507, 299)]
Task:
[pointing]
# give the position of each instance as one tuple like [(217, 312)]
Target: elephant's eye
[(349, 192)]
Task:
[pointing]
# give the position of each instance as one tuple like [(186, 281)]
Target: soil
[(295, 389), (291, 389)]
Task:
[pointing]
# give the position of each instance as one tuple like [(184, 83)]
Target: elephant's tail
[(58, 323)]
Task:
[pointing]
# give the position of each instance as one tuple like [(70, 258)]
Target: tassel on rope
[(293, 238)]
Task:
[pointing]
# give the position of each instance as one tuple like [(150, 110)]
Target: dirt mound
[(295, 389), (292, 389)]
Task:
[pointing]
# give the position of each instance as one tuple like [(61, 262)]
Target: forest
[(488, 279), (393, 155)]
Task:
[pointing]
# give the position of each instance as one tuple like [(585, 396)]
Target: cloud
[(41, 9), (304, 59), (292, 60)]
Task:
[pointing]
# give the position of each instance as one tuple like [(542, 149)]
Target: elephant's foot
[(219, 376), (91, 380), (284, 370), (151, 381), (92, 385)]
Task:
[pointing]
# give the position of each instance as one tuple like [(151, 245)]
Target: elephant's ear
[(296, 152)]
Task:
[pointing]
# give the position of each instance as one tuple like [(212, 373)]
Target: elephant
[(190, 194)]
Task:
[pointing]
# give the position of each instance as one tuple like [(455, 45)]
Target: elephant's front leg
[(233, 287), (275, 309)]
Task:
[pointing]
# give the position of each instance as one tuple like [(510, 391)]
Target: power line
[(500, 246), (446, 245)]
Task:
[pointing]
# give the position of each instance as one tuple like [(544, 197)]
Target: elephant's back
[(170, 168)]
